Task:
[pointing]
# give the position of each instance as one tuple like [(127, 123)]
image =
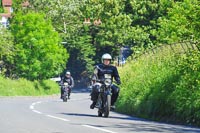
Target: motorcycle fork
[(100, 101)]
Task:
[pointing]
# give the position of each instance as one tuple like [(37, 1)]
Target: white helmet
[(106, 56), (67, 73)]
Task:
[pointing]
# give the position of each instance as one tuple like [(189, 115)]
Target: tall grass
[(23, 87), (154, 86)]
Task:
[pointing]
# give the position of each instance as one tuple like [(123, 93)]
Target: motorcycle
[(104, 97), (65, 89)]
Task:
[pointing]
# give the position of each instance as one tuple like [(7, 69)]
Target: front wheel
[(107, 106), (64, 99)]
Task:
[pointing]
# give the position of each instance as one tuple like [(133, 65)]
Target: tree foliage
[(113, 31), (82, 53), (115, 26), (144, 15), (6, 43), (186, 95), (181, 23), (65, 16), (38, 52), (6, 49), (1, 7), (62, 13)]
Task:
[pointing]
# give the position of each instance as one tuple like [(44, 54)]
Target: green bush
[(23, 87), (187, 90), (164, 86)]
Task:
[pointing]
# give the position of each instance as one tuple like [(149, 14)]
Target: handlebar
[(102, 81)]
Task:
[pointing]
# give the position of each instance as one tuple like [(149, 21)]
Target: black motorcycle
[(65, 89), (104, 98)]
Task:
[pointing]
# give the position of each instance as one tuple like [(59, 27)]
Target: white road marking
[(33, 104), (97, 128), (31, 107), (37, 111), (51, 116), (57, 118)]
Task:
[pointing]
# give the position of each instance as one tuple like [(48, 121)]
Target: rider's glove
[(118, 82)]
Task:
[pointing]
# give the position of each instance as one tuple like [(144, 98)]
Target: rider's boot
[(92, 105), (68, 95)]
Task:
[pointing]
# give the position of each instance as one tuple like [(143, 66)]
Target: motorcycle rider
[(100, 70), (69, 79)]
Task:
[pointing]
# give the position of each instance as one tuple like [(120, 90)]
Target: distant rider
[(100, 70), (69, 79)]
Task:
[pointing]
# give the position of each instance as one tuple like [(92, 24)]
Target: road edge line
[(98, 128)]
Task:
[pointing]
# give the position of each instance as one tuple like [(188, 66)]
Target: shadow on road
[(133, 124), (111, 117), (77, 114), (155, 127)]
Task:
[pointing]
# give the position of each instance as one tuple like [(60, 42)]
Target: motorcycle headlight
[(108, 82)]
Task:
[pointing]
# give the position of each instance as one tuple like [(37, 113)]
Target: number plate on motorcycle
[(66, 84), (107, 76)]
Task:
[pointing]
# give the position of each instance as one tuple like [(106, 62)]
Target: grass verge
[(164, 86), (23, 87)]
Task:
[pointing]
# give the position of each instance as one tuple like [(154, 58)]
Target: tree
[(39, 53), (65, 16), (113, 32), (145, 15), (1, 7), (81, 53), (6, 49), (6, 43), (63, 13), (181, 23)]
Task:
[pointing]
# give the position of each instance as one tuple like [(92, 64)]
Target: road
[(49, 114)]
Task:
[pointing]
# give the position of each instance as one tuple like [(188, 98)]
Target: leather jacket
[(102, 69), (69, 80)]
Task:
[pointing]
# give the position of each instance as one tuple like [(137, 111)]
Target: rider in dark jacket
[(69, 79), (100, 70)]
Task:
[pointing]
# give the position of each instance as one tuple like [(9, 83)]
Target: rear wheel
[(107, 106), (65, 98)]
